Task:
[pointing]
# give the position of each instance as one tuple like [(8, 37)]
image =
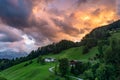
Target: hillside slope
[(33, 71), (75, 53), (36, 71)]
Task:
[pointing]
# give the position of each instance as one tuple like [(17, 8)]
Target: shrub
[(26, 64), (2, 78), (88, 75)]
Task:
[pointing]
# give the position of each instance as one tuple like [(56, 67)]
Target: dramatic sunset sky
[(27, 24)]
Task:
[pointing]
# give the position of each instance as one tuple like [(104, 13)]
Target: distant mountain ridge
[(11, 54)]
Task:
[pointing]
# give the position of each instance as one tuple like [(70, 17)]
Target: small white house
[(49, 59)]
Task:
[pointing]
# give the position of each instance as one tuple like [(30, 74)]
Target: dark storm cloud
[(7, 38), (79, 2), (66, 27), (96, 12), (42, 31), (15, 12), (118, 7), (9, 34), (90, 3)]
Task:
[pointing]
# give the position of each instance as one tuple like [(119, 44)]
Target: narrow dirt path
[(52, 71)]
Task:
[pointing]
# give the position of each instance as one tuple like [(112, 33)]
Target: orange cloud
[(83, 19), (86, 19), (91, 19)]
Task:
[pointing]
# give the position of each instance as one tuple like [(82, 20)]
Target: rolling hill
[(36, 71)]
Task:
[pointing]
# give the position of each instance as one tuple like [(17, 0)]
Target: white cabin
[(49, 59)]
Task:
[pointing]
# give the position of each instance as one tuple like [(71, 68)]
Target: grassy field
[(33, 71), (36, 71), (116, 35), (75, 53)]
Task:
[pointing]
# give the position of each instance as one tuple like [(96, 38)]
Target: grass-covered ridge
[(75, 53), (33, 71), (37, 71)]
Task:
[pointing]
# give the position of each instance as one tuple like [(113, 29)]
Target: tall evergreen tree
[(63, 66)]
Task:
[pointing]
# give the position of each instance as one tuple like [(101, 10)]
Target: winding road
[(52, 71)]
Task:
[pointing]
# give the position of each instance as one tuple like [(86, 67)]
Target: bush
[(105, 72), (2, 78), (31, 62), (26, 64), (88, 75), (85, 50), (63, 66), (41, 60)]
